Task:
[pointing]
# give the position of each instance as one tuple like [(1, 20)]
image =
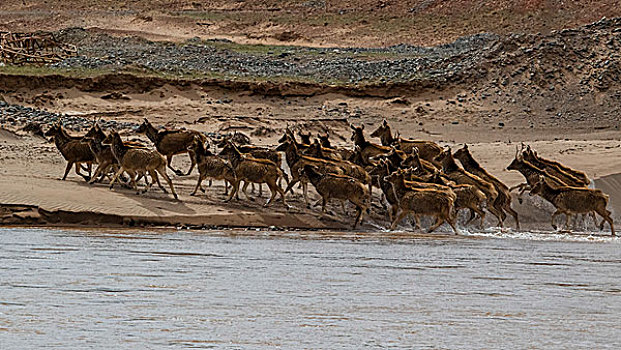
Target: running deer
[(367, 149), (340, 187), (428, 149), (211, 166), (136, 161), (503, 200), (296, 161), (573, 200), (568, 175), (171, 142), (420, 201), (255, 170), (455, 173), (73, 150)]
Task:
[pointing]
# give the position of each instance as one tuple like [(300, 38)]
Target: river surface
[(74, 289)]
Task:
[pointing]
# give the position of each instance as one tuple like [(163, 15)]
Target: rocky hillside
[(367, 23)]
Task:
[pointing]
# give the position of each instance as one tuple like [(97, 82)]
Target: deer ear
[(465, 145), (385, 122), (362, 126), (352, 126)]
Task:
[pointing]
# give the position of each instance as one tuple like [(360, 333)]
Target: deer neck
[(152, 133), (118, 148), (99, 136), (469, 162), (199, 153), (236, 158), (448, 163), (292, 154), (387, 138), (360, 141), (61, 139)]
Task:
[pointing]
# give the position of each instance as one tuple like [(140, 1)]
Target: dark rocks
[(33, 119)]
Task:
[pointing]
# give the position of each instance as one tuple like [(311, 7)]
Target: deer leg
[(154, 178), (132, 177), (198, 184), (162, 171), (69, 165), (157, 179), (495, 212), (398, 218), (176, 171), (358, 216), (282, 195), (513, 213), (439, 221), (520, 187), (360, 209), (291, 184), (245, 192), (472, 215), (234, 190), (393, 212), (192, 164), (554, 215), (99, 171), (86, 178), (523, 187), (272, 186), (116, 176), (567, 217), (305, 190)]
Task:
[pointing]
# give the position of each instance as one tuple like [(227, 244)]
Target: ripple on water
[(234, 289)]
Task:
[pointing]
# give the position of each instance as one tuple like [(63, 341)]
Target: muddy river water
[(290, 290)]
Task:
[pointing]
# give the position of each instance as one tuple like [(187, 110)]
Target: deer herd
[(415, 178)]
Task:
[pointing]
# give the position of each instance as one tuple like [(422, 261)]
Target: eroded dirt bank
[(559, 92)]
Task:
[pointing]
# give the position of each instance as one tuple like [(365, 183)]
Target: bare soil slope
[(369, 23)]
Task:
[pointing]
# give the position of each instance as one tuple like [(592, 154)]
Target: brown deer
[(305, 137), (367, 149), (420, 201), (290, 136), (573, 200), (413, 160), (324, 139), (379, 174), (256, 152), (428, 149), (73, 150), (171, 142), (455, 173), (569, 176), (531, 173), (138, 161), (318, 151), (255, 170), (296, 161), (340, 187), (468, 197), (503, 200), (211, 166)]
